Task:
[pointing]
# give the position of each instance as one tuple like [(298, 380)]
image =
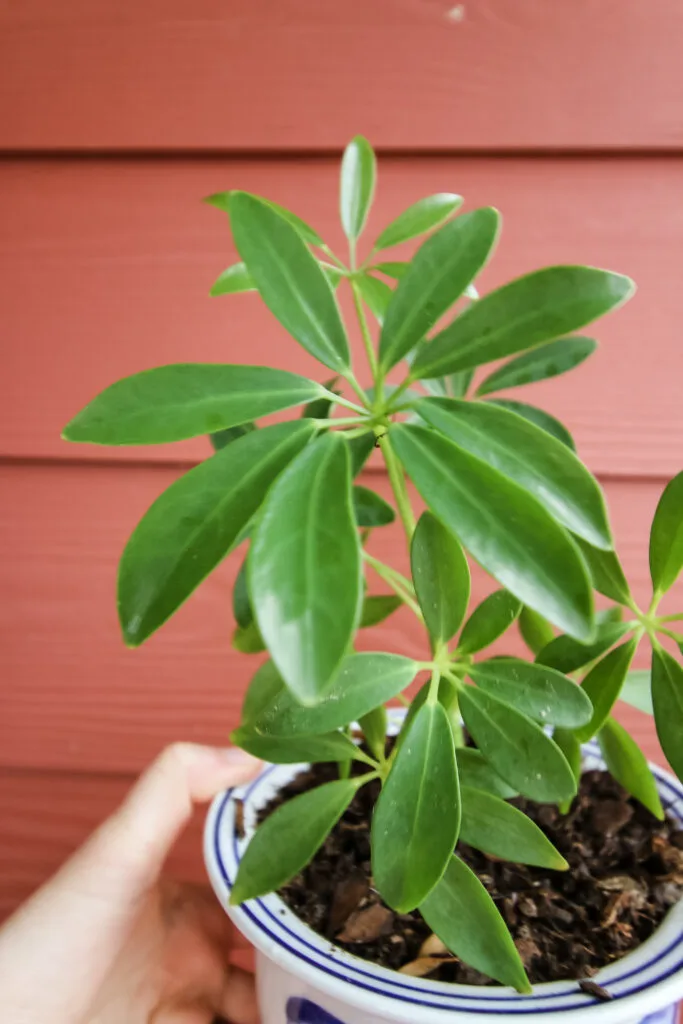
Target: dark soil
[(626, 871)]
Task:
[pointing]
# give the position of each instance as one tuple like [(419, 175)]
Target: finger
[(238, 1001)]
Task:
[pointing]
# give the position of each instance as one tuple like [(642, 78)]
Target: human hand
[(107, 942)]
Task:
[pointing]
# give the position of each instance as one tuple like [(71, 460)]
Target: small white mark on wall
[(456, 14)]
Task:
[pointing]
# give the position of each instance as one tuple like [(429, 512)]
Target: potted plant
[(502, 487)]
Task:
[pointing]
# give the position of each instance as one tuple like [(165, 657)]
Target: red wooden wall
[(114, 121)]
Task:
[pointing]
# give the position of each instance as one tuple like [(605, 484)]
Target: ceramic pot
[(303, 979)]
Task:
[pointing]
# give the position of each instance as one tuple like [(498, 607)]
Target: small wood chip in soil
[(591, 988)]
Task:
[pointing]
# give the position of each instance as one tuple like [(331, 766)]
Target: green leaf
[(287, 840), (500, 830), (376, 295), (305, 573), (441, 576), (475, 771), (320, 408), (439, 273), (395, 269), (540, 693), (540, 418), (193, 525), (222, 438), (289, 279), (571, 748), (374, 726), (459, 383), (489, 620), (171, 403), (363, 683), (370, 509), (424, 215), (541, 363), (637, 691), (222, 200), (358, 175), (503, 526), (360, 448), (331, 746), (666, 537), (248, 640), (567, 655), (521, 315), (241, 602), (603, 685), (517, 748), (378, 608), (606, 572), (627, 763), (235, 279), (536, 632), (521, 451), (667, 699), (417, 817), (463, 915)]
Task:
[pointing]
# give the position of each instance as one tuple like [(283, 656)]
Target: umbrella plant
[(501, 486)]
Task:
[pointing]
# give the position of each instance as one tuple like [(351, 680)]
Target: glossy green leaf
[(376, 295), (500, 830), (377, 608), (248, 640), (222, 438), (541, 363), (417, 817), (667, 699), (289, 279), (305, 574), (358, 176), (370, 509), (521, 315), (320, 408), (603, 685), (234, 279), (171, 403), (606, 572), (395, 269), (463, 915), (475, 771), (539, 692), (503, 526), (666, 537), (637, 691), (364, 682), (567, 655), (241, 602), (517, 748), (331, 746), (489, 620), (192, 525), (539, 417), (222, 200), (439, 273), (536, 631), (571, 748), (287, 840), (360, 449), (374, 726), (627, 763), (424, 215), (441, 576), (532, 458)]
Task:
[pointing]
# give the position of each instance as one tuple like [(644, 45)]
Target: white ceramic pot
[(304, 979)]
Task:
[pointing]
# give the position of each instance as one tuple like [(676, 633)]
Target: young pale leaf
[(235, 279), (221, 200), (289, 279), (370, 509), (529, 456), (417, 817), (305, 571), (394, 269), (248, 640), (606, 572), (603, 685), (171, 403), (667, 699), (488, 621), (637, 691), (288, 839), (358, 176), (374, 726), (463, 915), (377, 608), (424, 215), (567, 655), (540, 364), (475, 771), (241, 602), (330, 746), (498, 829), (439, 273), (222, 438), (363, 683), (376, 295), (666, 537), (517, 748), (536, 632), (193, 525), (441, 576), (541, 693), (539, 417), (521, 315), (571, 748), (503, 526), (627, 763)]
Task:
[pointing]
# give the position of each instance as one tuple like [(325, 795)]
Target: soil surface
[(626, 871)]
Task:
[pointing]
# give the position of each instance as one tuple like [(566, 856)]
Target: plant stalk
[(398, 485), (365, 334)]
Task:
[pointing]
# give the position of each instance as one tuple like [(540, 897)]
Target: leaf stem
[(672, 618), (433, 695), (673, 636), (365, 334), (340, 400), (349, 377), (389, 578), (398, 484), (402, 580), (328, 252), (351, 421)]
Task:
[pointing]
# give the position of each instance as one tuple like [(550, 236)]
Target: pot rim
[(647, 979)]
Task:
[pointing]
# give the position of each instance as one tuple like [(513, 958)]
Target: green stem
[(360, 755), (398, 485), (433, 695), (351, 421), (672, 618), (678, 637), (365, 334), (400, 579), (351, 380), (335, 259), (340, 400), (388, 578)]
